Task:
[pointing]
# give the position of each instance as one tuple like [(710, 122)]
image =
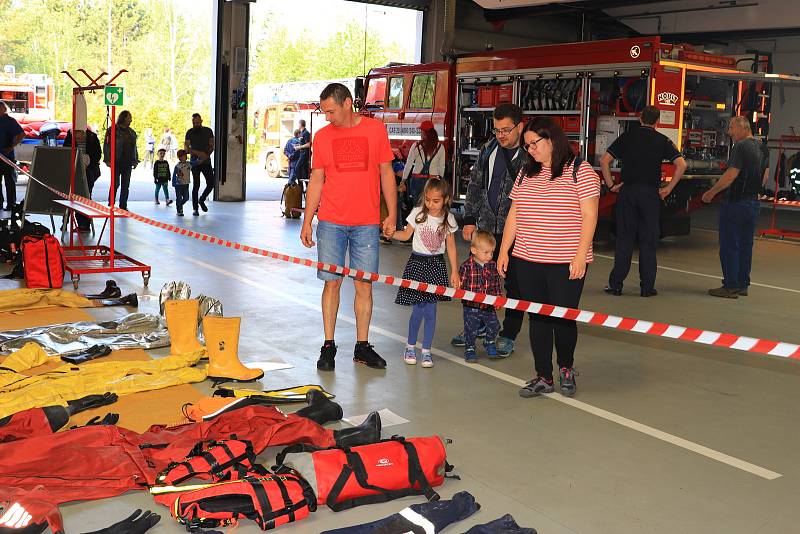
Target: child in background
[(181, 176), (433, 227), (161, 176), (479, 274)]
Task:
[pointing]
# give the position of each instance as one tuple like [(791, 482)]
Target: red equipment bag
[(269, 500), (42, 262), (344, 478)]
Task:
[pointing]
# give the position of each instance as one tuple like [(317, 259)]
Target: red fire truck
[(595, 91), (29, 97)]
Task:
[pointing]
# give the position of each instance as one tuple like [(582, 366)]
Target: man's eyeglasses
[(503, 132), (527, 146)]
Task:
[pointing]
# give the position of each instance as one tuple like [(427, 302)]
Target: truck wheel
[(273, 167)]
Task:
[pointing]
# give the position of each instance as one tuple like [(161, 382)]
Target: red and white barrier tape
[(705, 337), (771, 200)]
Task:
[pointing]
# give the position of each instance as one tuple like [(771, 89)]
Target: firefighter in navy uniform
[(641, 151)]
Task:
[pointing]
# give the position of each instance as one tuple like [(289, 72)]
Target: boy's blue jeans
[(181, 195), (737, 224), (474, 319)]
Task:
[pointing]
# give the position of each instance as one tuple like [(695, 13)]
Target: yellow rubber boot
[(181, 318), (222, 345)]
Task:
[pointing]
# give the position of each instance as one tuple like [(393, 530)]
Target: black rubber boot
[(367, 432), (110, 292), (320, 408), (128, 300), (92, 353)]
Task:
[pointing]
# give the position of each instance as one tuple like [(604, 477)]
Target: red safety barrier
[(704, 337)]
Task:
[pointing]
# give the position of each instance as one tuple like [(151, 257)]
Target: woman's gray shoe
[(537, 386), (566, 379)]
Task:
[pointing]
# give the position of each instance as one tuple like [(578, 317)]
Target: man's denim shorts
[(336, 240)]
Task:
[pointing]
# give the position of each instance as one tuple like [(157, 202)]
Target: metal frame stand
[(95, 259)]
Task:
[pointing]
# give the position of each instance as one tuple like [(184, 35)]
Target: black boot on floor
[(320, 408), (367, 432), (110, 292), (128, 300)]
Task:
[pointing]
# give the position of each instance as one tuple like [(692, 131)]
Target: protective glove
[(134, 524), (91, 401), (93, 352)]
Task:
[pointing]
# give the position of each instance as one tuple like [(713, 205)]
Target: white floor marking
[(580, 405), (717, 276)]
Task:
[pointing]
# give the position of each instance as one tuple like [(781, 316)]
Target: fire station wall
[(474, 33), (230, 125)]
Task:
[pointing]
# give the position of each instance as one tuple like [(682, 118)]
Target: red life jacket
[(219, 460), (240, 489), (42, 261), (269, 500), (344, 478)]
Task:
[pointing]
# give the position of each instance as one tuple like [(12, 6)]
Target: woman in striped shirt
[(551, 224)]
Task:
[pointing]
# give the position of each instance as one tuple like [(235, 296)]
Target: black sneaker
[(203, 205), (327, 358), (366, 354), (649, 292)]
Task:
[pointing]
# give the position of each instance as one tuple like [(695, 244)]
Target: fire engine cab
[(595, 91), (29, 97)]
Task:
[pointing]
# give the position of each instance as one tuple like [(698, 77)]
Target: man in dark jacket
[(487, 204)]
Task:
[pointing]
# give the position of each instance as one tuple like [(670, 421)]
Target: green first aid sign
[(114, 96)]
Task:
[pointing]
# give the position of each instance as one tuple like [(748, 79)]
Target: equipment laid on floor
[(81, 258), (19, 391), (320, 408), (344, 477), (50, 419), (274, 396), (427, 518), (222, 345), (239, 489), (501, 525), (112, 291), (133, 331)]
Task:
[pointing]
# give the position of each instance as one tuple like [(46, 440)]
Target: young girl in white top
[(433, 228)]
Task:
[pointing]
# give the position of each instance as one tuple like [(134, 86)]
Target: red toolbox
[(487, 96), (505, 94), (571, 123)]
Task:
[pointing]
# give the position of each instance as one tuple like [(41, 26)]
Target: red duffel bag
[(42, 261), (344, 478)]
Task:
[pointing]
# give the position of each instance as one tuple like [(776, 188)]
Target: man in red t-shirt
[(351, 165)]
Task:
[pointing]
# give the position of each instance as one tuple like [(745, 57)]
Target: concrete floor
[(662, 437)]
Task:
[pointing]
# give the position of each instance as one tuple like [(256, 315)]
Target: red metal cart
[(94, 259)]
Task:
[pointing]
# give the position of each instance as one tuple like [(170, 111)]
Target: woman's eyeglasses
[(527, 146)]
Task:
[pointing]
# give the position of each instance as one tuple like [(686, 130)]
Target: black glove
[(93, 352), (109, 419), (91, 401), (132, 525)]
